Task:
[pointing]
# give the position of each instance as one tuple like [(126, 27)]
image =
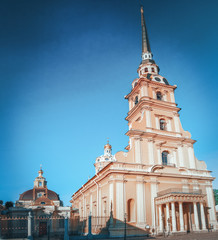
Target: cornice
[(140, 133), (152, 103), (150, 82)]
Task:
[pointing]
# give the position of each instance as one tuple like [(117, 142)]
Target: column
[(196, 217), (153, 195), (30, 226), (203, 217), (160, 219), (138, 150), (173, 217), (167, 216), (181, 220)]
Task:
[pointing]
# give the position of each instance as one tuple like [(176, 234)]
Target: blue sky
[(65, 68)]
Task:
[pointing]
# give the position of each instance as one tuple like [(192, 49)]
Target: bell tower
[(155, 130)]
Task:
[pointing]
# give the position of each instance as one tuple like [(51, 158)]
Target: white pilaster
[(148, 117), (172, 97), (176, 122), (151, 151), (173, 217), (90, 204), (157, 123), (196, 217), (181, 158), (111, 196), (158, 155), (174, 160), (138, 150), (130, 105), (181, 220), (99, 203), (169, 125), (145, 90), (203, 217), (191, 157), (140, 204), (119, 201), (210, 202)]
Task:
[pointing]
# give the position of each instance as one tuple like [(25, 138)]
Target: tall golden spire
[(145, 42)]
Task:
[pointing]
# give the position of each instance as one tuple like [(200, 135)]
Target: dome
[(28, 195), (108, 146)]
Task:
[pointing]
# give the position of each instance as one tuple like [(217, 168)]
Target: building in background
[(158, 183), (40, 199)]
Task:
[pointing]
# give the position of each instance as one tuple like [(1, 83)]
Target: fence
[(54, 227), (13, 227)]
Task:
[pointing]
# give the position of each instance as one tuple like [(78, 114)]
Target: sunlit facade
[(157, 182)]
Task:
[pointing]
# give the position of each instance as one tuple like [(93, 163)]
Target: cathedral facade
[(158, 183)]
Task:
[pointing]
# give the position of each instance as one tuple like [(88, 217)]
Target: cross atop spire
[(146, 49)]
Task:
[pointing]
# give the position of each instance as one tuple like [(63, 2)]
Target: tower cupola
[(40, 181), (103, 160), (107, 149)]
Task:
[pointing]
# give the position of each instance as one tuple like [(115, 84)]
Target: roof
[(28, 195)]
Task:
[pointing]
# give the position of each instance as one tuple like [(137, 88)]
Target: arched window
[(152, 69), (162, 124), (136, 100), (146, 70), (159, 96), (165, 157), (130, 210), (135, 84)]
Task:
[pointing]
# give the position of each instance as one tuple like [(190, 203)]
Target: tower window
[(165, 157), (159, 96), (136, 100), (152, 69), (40, 184), (135, 84), (162, 124), (146, 70)]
